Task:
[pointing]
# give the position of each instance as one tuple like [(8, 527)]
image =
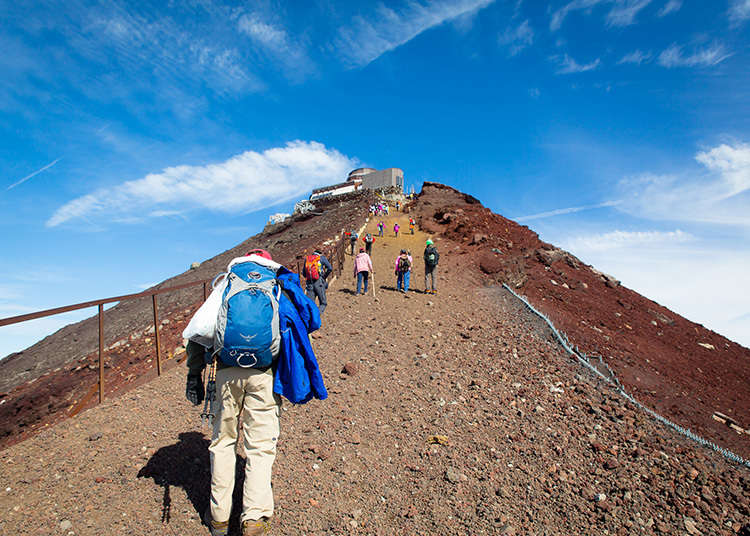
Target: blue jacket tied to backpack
[(297, 376)]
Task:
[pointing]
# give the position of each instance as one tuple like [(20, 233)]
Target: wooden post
[(205, 290), (156, 335), (101, 351)]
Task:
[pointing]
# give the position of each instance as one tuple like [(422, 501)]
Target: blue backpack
[(247, 327)]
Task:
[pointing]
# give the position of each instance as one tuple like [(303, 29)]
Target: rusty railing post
[(205, 290), (101, 351), (156, 334)]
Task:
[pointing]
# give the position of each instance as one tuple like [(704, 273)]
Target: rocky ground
[(448, 414)]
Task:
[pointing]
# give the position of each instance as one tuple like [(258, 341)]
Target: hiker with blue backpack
[(253, 333), (316, 271)]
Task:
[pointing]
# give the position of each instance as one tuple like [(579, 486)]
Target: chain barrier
[(611, 379)]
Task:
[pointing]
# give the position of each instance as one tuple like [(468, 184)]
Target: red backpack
[(312, 267)]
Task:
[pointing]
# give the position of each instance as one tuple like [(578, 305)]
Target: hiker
[(381, 228), (396, 227), (412, 223), (316, 271), (397, 205), (255, 358), (353, 236), (368, 239), (403, 271), (362, 269), (431, 258)]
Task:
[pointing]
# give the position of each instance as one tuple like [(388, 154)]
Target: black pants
[(317, 289)]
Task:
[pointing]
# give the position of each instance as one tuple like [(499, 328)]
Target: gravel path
[(457, 414)]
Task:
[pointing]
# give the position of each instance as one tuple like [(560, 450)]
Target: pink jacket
[(362, 263), (411, 262)]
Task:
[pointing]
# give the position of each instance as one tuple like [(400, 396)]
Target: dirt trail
[(458, 415)]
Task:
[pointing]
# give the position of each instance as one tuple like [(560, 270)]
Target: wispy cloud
[(277, 43), (516, 39), (246, 182), (562, 211), (630, 239), (568, 65), (35, 173), (637, 57), (739, 11), (368, 37), (576, 5), (670, 7), (623, 13), (673, 56), (714, 196)]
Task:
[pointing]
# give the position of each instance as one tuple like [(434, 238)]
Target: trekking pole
[(208, 405), (372, 274)]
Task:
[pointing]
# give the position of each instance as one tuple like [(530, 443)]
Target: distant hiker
[(381, 228), (396, 227), (431, 258), (403, 271), (316, 271), (386, 210), (353, 236), (362, 269), (397, 205), (256, 323), (411, 225), (368, 239)]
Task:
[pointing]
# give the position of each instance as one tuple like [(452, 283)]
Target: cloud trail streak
[(34, 174), (569, 210)]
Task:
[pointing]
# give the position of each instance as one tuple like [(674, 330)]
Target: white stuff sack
[(202, 326)]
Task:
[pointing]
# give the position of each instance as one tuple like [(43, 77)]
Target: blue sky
[(140, 137)]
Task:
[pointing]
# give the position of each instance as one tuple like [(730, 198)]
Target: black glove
[(194, 390)]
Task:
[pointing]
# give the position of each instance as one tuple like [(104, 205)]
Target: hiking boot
[(217, 528), (256, 528)]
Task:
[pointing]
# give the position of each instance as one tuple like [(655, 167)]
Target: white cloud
[(719, 195), (670, 7), (246, 182), (711, 55), (739, 11), (636, 57), (516, 39), (623, 13), (705, 283), (568, 65), (368, 37), (567, 210), (534, 93)]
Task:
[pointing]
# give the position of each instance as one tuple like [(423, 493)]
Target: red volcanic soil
[(677, 367)]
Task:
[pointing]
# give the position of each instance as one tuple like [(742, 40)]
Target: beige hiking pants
[(249, 391)]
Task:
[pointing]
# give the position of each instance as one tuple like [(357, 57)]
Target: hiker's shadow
[(386, 287), (346, 291), (186, 464)]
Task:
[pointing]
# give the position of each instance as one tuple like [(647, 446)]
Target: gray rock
[(66, 525), (453, 476)]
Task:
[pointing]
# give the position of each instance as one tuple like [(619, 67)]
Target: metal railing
[(334, 252), (100, 305)]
